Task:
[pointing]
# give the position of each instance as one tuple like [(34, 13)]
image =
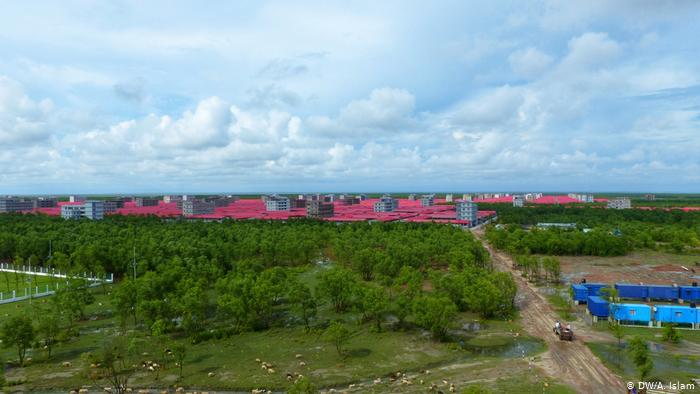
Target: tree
[(303, 302), (375, 305), (48, 328), (434, 313), (303, 386), (338, 286), (671, 334), (639, 351), (18, 331), (115, 361), (617, 331), (126, 300), (338, 335), (180, 353)]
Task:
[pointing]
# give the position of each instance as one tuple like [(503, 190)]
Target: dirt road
[(568, 362)]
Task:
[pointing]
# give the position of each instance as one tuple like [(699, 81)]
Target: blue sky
[(122, 96)]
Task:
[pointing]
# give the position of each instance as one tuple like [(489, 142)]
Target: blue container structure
[(598, 307), (675, 314), (594, 288), (632, 291), (690, 293), (638, 313), (580, 293), (660, 292)]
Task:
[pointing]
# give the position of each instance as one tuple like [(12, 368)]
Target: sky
[(292, 96)]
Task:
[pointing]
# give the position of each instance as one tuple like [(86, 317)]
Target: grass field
[(474, 356), (20, 282)]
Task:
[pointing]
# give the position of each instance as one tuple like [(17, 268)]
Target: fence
[(48, 289)]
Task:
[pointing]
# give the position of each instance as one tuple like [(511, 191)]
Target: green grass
[(651, 333), (667, 366), (20, 282), (561, 304), (232, 360)]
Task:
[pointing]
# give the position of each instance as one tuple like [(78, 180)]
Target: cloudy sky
[(122, 96)]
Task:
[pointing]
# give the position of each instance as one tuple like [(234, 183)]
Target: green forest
[(599, 231), (212, 280)]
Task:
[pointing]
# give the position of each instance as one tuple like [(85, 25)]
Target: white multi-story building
[(427, 200), (583, 197), (448, 197), (277, 203), (386, 204), (197, 207), (93, 210), (76, 198), (620, 203), (467, 210), (72, 211), (518, 201)]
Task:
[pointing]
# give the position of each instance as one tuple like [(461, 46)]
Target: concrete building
[(362, 197), (11, 204), (76, 198), (448, 197), (169, 199), (620, 203), (146, 202), (72, 211), (427, 200), (467, 210), (386, 204), (318, 209), (277, 203), (349, 200), (583, 197), (650, 197), (197, 207), (518, 201), (411, 197), (44, 202), (466, 197), (222, 201), (111, 206), (298, 203), (93, 210)]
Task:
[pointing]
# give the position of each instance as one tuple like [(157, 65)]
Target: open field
[(639, 266), (473, 356)]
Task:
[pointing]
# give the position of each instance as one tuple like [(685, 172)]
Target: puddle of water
[(503, 347), (665, 364)]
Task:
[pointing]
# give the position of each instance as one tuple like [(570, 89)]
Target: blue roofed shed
[(690, 293), (676, 314), (598, 307), (632, 291), (631, 312), (660, 292)]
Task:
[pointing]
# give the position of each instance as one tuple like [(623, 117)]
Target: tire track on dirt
[(570, 362)]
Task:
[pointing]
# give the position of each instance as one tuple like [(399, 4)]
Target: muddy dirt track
[(568, 362)]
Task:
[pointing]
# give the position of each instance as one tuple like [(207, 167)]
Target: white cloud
[(529, 62)]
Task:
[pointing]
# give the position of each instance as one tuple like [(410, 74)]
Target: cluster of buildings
[(620, 203), (15, 204)]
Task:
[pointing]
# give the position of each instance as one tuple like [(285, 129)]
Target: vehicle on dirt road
[(564, 333)]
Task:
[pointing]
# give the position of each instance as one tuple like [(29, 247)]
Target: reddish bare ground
[(569, 362)]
